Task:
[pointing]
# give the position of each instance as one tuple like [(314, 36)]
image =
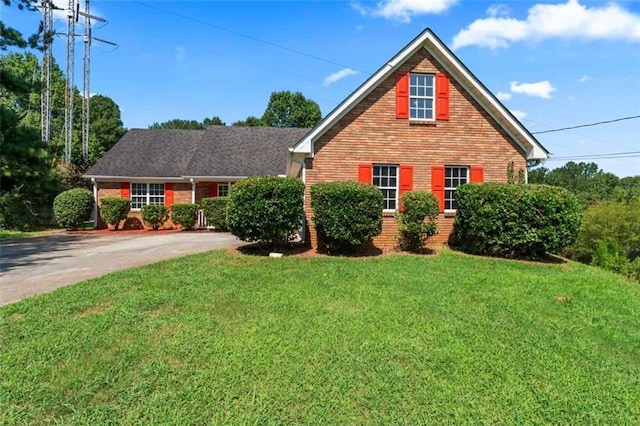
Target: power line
[(247, 36), (610, 155), (587, 125)]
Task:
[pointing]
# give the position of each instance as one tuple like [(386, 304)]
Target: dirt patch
[(96, 310)]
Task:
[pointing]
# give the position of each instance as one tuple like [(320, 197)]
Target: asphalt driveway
[(30, 266)]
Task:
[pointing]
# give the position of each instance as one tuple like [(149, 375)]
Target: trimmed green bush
[(16, 212), (346, 214), (113, 210), (417, 221), (73, 207), (525, 221), (266, 209), (184, 215), (215, 210), (154, 215)]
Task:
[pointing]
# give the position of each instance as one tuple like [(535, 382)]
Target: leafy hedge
[(113, 210), (215, 210), (17, 212), (266, 209), (417, 221), (73, 207), (610, 238), (515, 220), (346, 214), (154, 215), (184, 215)]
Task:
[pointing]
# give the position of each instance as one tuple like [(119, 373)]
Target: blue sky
[(554, 64)]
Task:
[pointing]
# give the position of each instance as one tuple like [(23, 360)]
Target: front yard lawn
[(223, 338)]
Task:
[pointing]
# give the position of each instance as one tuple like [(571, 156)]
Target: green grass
[(7, 233), (217, 338)]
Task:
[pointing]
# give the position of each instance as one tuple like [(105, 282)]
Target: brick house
[(161, 166), (423, 122)]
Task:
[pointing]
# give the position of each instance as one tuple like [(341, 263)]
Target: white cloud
[(404, 10), (544, 21), (503, 96), (584, 79), (496, 10), (329, 80), (518, 114), (541, 89)]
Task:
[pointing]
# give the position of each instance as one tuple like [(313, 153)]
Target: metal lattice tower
[(68, 93), (45, 72), (86, 83)]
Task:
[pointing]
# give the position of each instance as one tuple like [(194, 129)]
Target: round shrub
[(154, 215), (515, 220), (215, 210), (266, 209), (346, 214), (73, 207), (184, 215), (417, 220), (113, 210)]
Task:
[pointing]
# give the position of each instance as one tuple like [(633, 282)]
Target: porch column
[(193, 191), (95, 202)]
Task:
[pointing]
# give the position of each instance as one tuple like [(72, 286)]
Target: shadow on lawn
[(304, 250)]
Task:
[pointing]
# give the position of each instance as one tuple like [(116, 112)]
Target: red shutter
[(402, 95), (442, 98), (365, 173), (125, 190), (213, 190), (406, 179), (437, 184), (477, 174), (168, 194)]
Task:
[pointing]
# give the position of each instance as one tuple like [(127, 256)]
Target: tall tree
[(105, 126), (287, 109), (188, 124)]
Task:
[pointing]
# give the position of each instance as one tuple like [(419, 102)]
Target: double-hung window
[(143, 194), (421, 96), (454, 176), (385, 177), (223, 189)]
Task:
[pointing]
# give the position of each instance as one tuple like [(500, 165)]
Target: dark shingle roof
[(149, 153), (216, 151), (243, 151)]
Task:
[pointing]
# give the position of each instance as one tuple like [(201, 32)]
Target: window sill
[(422, 123), (450, 213), (388, 213)]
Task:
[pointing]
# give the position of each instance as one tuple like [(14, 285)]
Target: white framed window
[(385, 177), (223, 189), (454, 176), (421, 96), (143, 194)]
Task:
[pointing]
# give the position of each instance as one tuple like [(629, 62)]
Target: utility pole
[(86, 83), (68, 93), (45, 72)]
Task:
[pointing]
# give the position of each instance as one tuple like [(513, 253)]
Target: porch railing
[(202, 221)]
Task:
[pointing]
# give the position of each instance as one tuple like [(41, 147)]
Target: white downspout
[(95, 202), (303, 175)]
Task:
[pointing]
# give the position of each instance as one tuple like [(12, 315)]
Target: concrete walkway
[(30, 266)]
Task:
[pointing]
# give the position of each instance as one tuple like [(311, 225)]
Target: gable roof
[(217, 151), (456, 70)]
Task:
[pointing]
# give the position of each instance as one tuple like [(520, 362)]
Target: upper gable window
[(421, 96)]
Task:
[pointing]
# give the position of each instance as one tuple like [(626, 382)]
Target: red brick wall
[(182, 194), (370, 133)]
